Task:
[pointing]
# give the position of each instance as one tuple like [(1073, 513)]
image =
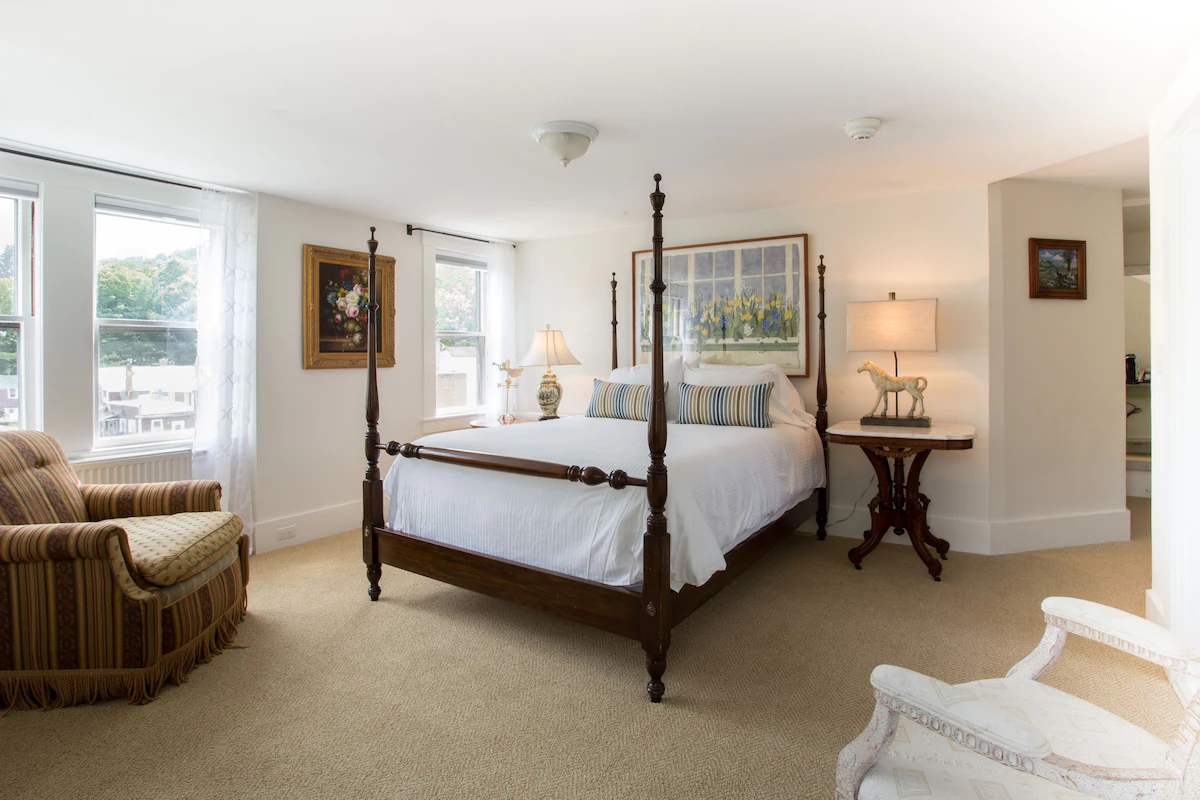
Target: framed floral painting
[(741, 302), (335, 309)]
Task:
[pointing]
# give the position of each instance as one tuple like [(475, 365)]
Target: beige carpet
[(436, 692)]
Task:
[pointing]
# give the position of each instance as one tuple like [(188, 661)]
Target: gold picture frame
[(334, 303)]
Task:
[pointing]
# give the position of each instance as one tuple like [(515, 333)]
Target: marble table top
[(938, 431)]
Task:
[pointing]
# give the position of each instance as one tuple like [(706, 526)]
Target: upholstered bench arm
[(64, 541), (955, 713), (150, 499)]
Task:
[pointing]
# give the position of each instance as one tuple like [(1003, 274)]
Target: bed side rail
[(590, 476)]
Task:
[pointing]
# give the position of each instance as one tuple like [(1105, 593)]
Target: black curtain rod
[(98, 169), (412, 228)]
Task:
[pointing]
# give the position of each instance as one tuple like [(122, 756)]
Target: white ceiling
[(420, 112), (1126, 166)]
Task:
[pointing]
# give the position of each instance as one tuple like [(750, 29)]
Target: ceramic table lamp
[(896, 325), (549, 349)]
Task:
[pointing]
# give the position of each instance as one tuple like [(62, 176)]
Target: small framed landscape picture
[(335, 308), (1058, 269)]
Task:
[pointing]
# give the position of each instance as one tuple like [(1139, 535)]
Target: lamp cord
[(854, 508)]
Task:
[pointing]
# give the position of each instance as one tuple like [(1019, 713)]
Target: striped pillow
[(619, 401), (747, 406)]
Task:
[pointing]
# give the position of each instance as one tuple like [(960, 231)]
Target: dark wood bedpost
[(822, 400), (372, 484), (614, 320), (656, 543)]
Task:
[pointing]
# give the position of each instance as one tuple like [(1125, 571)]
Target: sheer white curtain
[(501, 323), (224, 448)]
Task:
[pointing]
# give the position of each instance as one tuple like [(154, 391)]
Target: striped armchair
[(109, 591)]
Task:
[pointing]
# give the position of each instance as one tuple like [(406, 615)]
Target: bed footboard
[(589, 476)]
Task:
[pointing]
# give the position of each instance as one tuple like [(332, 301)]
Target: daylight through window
[(460, 341), (146, 261)]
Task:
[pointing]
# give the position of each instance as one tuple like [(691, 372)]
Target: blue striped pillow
[(747, 406), (620, 401)]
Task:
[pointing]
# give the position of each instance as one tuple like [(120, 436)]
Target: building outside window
[(146, 261), (18, 335), (460, 299)]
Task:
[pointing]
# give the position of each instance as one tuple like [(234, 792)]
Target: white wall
[(1058, 373), (933, 244), (1174, 599), (311, 422), (1137, 248)]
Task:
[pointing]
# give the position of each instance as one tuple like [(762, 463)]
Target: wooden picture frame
[(1058, 269), (776, 331), (333, 333)]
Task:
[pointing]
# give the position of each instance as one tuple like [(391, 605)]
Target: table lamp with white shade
[(898, 326), (549, 349)]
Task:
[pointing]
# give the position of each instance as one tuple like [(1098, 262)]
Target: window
[(18, 334), (460, 344), (146, 257)]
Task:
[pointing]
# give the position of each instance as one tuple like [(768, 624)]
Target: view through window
[(459, 302), (145, 326)]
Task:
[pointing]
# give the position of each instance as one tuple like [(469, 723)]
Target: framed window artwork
[(740, 302)]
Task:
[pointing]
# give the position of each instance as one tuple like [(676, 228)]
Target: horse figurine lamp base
[(915, 385)]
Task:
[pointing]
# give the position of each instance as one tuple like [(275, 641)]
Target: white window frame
[(435, 246), (154, 212), (27, 195)]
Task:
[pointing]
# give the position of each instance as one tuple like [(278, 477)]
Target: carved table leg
[(918, 533), (898, 496), (941, 545), (881, 510)]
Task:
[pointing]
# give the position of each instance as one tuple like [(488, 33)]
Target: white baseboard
[(308, 526), (964, 535), (1069, 530), (998, 538), (1137, 483)]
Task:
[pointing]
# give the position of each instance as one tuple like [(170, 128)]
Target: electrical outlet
[(287, 532)]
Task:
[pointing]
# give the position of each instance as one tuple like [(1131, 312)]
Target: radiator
[(137, 469)]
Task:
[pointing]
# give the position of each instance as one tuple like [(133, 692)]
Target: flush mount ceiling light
[(565, 140), (862, 128)]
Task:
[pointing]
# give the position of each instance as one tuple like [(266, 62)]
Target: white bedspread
[(725, 483)]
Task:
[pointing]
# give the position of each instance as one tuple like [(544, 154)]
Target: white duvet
[(724, 483)]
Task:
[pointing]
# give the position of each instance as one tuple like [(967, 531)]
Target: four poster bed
[(584, 534)]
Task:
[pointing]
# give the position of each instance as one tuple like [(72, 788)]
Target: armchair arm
[(986, 728), (110, 501), (1122, 630), (65, 541), (957, 714)]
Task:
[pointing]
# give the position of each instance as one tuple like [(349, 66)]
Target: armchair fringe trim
[(29, 689)]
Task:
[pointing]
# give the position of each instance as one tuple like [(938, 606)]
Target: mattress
[(724, 483)]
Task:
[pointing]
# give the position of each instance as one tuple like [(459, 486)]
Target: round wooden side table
[(899, 503)]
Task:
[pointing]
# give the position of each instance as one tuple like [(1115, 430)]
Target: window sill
[(132, 451), (451, 422)]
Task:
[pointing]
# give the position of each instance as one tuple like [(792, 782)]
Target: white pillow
[(787, 407), (640, 375)]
